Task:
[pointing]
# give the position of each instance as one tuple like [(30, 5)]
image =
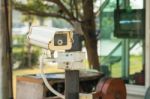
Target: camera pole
[(71, 84)]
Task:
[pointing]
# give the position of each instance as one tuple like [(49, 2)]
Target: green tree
[(79, 13)]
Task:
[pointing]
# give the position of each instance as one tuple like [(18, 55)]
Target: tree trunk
[(91, 46), (5, 51), (29, 50), (89, 29)]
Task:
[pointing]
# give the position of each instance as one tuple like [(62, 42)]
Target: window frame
[(137, 89)]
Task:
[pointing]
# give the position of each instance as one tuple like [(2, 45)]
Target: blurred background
[(122, 57)]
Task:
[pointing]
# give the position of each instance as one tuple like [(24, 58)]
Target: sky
[(137, 3)]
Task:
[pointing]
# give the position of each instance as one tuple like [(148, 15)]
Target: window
[(123, 56), (137, 4)]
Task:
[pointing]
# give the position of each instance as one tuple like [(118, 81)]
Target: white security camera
[(51, 38)]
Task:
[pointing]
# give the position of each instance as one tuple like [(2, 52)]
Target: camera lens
[(59, 42), (60, 39)]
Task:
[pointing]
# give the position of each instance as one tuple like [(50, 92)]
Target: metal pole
[(5, 50), (125, 50), (125, 58), (72, 84)]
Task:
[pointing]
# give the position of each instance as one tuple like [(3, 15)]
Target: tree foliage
[(46, 8)]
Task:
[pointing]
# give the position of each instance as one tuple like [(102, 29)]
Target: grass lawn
[(135, 66)]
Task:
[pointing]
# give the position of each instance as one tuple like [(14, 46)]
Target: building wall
[(134, 97)]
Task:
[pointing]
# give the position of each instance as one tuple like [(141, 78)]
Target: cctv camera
[(51, 38)]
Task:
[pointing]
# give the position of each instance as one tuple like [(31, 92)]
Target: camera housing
[(51, 38)]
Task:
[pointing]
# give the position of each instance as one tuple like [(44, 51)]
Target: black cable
[(117, 5)]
